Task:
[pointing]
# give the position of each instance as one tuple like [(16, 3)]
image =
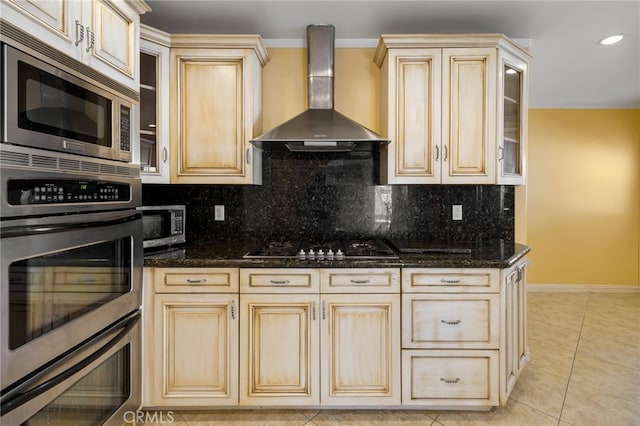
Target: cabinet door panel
[(360, 349), (195, 350), (415, 127), (279, 350), (115, 37), (53, 14), (469, 111), (209, 110)]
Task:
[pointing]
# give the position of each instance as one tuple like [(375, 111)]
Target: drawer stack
[(450, 337)]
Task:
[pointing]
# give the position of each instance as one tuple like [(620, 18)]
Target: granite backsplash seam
[(329, 196)]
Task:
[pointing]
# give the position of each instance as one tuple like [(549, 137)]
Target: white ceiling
[(569, 69)]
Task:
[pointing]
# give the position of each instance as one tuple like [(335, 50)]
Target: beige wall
[(583, 218), (581, 209)]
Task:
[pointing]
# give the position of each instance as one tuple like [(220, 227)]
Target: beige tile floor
[(584, 370)]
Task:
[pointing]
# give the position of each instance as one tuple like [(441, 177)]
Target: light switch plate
[(456, 212), (218, 213)]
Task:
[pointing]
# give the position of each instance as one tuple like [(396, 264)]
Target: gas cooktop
[(323, 250)]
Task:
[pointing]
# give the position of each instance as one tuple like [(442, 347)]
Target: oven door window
[(49, 290), (94, 398), (49, 104)]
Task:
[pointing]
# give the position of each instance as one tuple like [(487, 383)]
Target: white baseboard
[(583, 288)]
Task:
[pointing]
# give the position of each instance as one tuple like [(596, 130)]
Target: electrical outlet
[(456, 212), (218, 213)]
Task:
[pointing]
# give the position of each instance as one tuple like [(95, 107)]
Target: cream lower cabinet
[(450, 338), (190, 335), (313, 348), (515, 353), (279, 337), (442, 111), (360, 339)]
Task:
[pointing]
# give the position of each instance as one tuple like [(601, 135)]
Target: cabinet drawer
[(385, 280), (287, 280), (450, 321), (447, 378), (458, 280), (195, 280)]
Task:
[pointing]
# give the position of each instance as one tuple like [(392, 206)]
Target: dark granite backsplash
[(315, 196)]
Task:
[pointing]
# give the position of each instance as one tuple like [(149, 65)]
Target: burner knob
[(301, 255), (339, 255), (320, 255), (329, 255), (311, 255)]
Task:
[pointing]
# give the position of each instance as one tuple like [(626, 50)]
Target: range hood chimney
[(320, 128)]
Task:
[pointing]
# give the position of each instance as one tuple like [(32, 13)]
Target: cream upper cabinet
[(215, 99), (153, 154), (102, 34), (440, 109)]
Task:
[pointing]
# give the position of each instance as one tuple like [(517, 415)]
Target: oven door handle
[(107, 219), (28, 390)]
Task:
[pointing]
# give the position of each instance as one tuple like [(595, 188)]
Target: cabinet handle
[(198, 281), (80, 38), (279, 281), (91, 38), (313, 311), (446, 281), (445, 153), (450, 381), (501, 150), (455, 322), (324, 310), (233, 309), (367, 281), (165, 154), (520, 274), (437, 153), (248, 156)]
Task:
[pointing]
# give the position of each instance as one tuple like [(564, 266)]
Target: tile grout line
[(573, 361)]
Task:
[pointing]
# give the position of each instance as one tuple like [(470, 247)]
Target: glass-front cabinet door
[(154, 106), (513, 132)]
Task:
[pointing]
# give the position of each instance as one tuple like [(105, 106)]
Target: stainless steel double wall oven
[(71, 257)]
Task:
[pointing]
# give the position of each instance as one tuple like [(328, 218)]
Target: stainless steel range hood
[(320, 128)]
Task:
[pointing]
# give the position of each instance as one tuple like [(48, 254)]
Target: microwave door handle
[(32, 229), (23, 395)]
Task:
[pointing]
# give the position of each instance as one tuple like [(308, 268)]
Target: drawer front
[(450, 321), (385, 280), (450, 280), (285, 280), (196, 280), (445, 378)]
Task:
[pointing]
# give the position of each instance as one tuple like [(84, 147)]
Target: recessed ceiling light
[(611, 39)]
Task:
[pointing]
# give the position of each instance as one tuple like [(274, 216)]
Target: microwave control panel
[(65, 191)]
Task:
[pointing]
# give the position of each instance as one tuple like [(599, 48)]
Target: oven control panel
[(65, 191)]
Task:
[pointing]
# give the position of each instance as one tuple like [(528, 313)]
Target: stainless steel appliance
[(362, 249), (50, 106), (320, 128), (70, 271), (163, 225)]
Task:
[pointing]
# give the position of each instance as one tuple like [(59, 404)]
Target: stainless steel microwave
[(163, 225), (50, 106)]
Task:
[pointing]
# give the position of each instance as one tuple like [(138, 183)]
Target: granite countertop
[(217, 254)]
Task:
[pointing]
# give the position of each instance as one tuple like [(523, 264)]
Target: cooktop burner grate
[(323, 250)]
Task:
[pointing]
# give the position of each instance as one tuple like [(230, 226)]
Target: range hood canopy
[(320, 128)]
